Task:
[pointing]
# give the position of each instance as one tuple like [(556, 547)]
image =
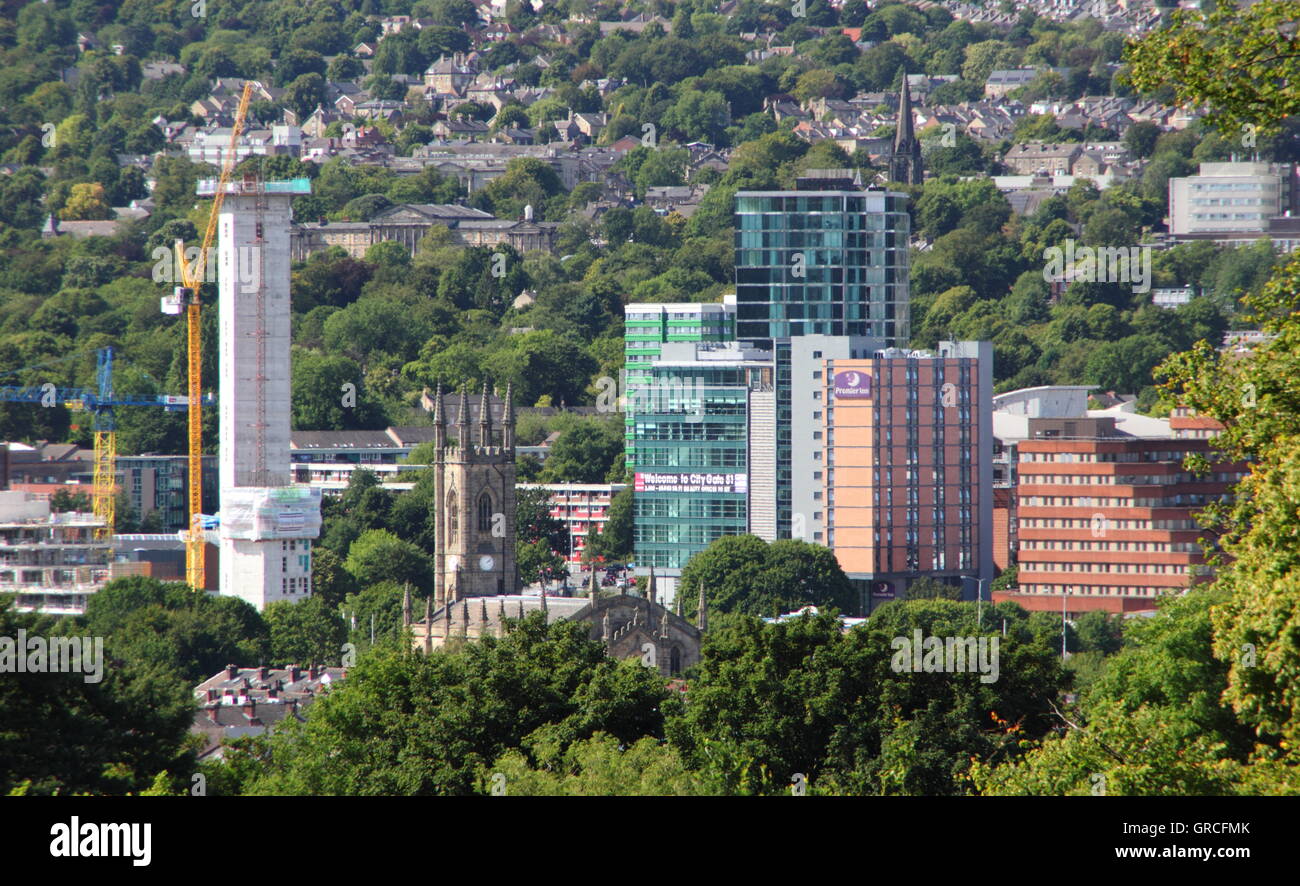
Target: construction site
[(263, 530)]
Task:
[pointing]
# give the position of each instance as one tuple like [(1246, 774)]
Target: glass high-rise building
[(648, 327), (828, 258), (704, 425)]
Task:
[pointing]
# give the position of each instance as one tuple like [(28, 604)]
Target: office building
[(829, 258), (1236, 203), (157, 486), (647, 327), (705, 431)]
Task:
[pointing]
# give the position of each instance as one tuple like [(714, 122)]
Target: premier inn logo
[(852, 385)]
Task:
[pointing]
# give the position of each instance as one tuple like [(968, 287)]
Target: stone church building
[(474, 498), (630, 626)]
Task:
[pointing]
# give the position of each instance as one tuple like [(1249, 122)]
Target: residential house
[(1031, 158)]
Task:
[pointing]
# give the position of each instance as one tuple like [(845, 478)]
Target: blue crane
[(100, 402)]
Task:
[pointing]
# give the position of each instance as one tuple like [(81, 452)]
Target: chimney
[(293, 673), (261, 674), (250, 709), (214, 713), (214, 695), (231, 672)]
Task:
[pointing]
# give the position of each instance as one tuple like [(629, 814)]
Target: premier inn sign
[(852, 385)]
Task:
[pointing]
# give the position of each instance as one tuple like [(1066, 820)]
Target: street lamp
[(1065, 592)]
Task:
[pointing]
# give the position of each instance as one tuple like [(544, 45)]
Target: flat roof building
[(1103, 512), (705, 431), (902, 480)]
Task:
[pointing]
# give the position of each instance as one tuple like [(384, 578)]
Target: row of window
[(1154, 547), (1084, 501), (1104, 523), (1098, 591), (1116, 457), (1138, 568), (1127, 479)]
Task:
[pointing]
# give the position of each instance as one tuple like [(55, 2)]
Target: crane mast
[(188, 295)]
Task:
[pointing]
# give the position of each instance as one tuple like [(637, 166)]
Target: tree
[(329, 394), (64, 500), (616, 538), (295, 63), (744, 574), (305, 93), (86, 202), (584, 453), (926, 588), (65, 734), (803, 696), (378, 555), (1194, 52), (540, 539), (304, 632), (1152, 724), (449, 715), (1140, 138)]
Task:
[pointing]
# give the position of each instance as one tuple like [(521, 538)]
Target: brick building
[(1107, 520)]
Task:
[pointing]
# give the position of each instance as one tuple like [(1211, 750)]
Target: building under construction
[(266, 523)]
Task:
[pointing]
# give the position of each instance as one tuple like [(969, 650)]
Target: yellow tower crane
[(187, 294)]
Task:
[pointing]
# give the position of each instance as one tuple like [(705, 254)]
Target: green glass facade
[(829, 258), (647, 327), (830, 262), (692, 477)]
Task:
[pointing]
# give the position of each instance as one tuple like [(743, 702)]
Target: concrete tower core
[(266, 522)]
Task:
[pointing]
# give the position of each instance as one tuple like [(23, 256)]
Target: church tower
[(905, 162), (474, 498)]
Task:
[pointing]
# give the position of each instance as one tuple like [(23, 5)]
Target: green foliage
[(304, 632), (408, 724), (747, 575), (378, 555), (769, 701)]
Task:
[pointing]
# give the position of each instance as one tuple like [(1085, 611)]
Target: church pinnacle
[(905, 163)]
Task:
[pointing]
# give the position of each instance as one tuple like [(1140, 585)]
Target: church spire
[(439, 424), (462, 420), (702, 614), (903, 132), (508, 419), (428, 624), (485, 419), (905, 163)]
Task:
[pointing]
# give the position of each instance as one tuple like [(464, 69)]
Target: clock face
[(485, 563)]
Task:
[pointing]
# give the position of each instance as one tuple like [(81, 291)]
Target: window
[(453, 514), (485, 513)]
